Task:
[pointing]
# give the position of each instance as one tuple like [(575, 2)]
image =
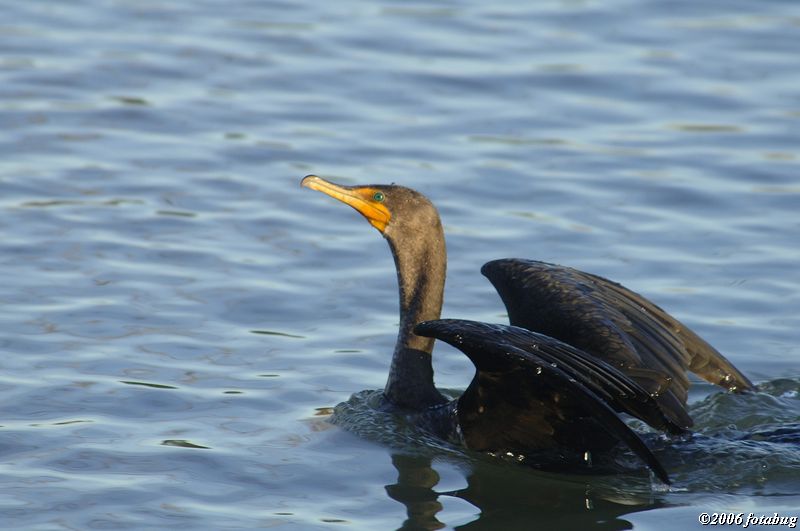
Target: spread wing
[(612, 323), (531, 391)]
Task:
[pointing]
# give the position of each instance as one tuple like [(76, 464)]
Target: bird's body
[(580, 349)]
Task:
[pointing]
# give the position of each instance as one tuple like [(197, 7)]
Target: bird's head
[(393, 210)]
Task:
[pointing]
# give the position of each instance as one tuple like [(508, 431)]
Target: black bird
[(580, 349)]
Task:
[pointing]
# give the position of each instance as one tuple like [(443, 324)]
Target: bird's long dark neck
[(421, 262)]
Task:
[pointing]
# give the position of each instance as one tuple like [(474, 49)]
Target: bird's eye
[(378, 196)]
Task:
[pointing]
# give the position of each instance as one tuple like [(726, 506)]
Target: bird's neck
[(421, 269)]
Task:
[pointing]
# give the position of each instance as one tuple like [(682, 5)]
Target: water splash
[(742, 444)]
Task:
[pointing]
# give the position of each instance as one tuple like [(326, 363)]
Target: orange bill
[(359, 197)]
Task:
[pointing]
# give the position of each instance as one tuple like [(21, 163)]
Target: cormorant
[(579, 351)]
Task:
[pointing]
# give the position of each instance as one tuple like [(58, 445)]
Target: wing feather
[(612, 323), (545, 386)]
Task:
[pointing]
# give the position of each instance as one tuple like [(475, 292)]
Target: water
[(179, 317)]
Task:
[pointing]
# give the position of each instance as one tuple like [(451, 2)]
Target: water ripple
[(179, 316)]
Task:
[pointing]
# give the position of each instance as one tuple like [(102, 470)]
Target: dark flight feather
[(533, 369), (612, 323)]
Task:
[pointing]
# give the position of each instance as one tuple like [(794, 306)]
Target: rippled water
[(179, 317)]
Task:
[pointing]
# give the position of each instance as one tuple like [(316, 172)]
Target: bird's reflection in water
[(508, 497), (414, 489)]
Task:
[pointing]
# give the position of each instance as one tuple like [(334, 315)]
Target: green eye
[(378, 196)]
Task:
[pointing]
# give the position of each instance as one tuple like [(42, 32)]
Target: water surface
[(179, 317)]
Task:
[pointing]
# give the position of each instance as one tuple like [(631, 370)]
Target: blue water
[(179, 318)]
